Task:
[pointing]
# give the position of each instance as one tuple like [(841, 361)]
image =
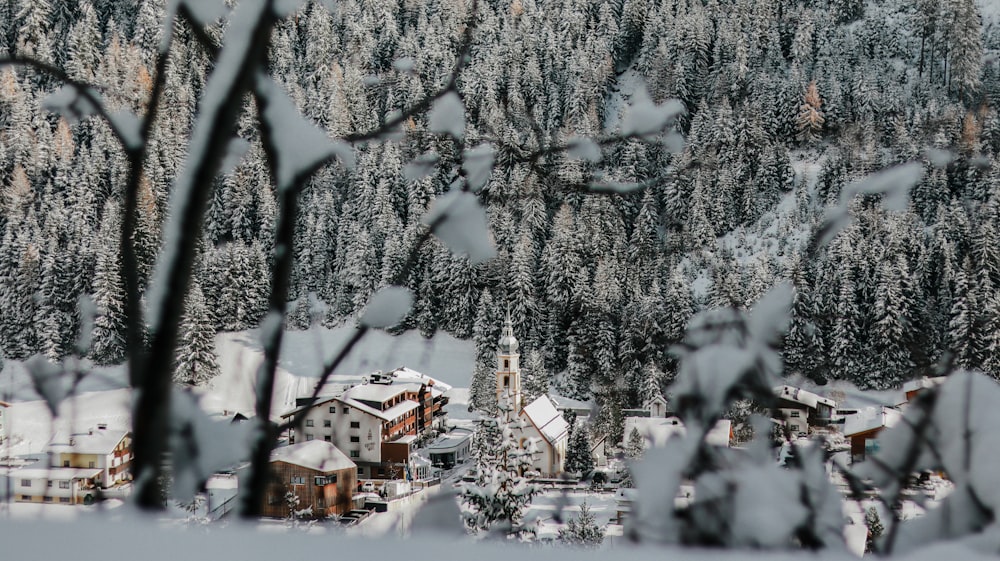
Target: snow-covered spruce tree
[(109, 325), (810, 117), (875, 528), (578, 456), (534, 377), (583, 530), (196, 360), (497, 500)]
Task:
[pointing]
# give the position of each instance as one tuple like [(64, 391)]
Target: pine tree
[(501, 493), (810, 119), (196, 360), (534, 377), (578, 456), (582, 531), (109, 294), (635, 446), (875, 528)]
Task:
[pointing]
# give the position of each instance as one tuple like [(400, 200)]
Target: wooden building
[(320, 475)]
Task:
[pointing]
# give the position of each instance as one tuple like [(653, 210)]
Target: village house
[(80, 467), (376, 423), (321, 476), (543, 423), (802, 410), (863, 429), (451, 449)]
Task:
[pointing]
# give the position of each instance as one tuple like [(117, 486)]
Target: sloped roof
[(317, 455), (95, 442), (798, 395), (870, 418), (404, 373), (549, 422)]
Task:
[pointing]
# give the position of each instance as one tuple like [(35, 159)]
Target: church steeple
[(508, 370)]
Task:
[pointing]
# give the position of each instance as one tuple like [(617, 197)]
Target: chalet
[(375, 423), (4, 421), (109, 451), (654, 407), (802, 409), (321, 476), (451, 449), (863, 429), (543, 424), (80, 467)]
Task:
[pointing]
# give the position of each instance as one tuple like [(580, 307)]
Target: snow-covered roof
[(799, 395), (405, 439), (922, 383), (450, 442), (317, 455), (658, 430), (376, 392), (404, 373), (564, 403), (93, 442), (549, 422), (871, 418)]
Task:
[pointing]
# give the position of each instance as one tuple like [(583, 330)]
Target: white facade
[(348, 426), (55, 485)]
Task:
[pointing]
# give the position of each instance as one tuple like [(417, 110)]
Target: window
[(91, 464), (355, 439), (25, 497), (327, 423), (794, 414), (64, 484), (355, 424), (506, 364), (346, 410), (298, 480), (328, 438), (333, 409), (309, 437), (355, 453), (65, 463), (25, 483), (64, 499), (50, 483), (506, 381), (319, 481), (48, 499), (309, 422), (331, 478)]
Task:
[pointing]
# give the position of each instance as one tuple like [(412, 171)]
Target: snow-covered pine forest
[(605, 251)]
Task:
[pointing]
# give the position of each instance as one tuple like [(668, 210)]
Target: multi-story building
[(372, 422)]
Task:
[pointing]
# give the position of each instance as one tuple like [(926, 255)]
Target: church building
[(542, 424)]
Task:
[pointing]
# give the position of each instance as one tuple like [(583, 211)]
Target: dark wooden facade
[(327, 493)]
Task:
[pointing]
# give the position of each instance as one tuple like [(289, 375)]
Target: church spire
[(508, 343)]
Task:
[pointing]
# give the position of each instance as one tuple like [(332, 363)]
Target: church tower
[(508, 370)]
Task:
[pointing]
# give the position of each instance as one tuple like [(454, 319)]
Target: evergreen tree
[(578, 456), (582, 531), (196, 360)]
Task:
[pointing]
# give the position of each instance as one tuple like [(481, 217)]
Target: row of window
[(62, 484), (46, 499), (327, 423), (329, 438), (319, 480)]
